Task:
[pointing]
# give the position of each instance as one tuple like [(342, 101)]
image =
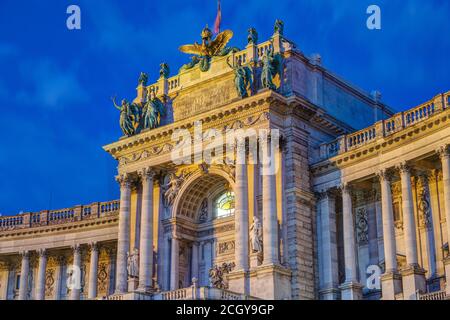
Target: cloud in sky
[(50, 86)]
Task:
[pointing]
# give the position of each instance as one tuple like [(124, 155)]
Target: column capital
[(384, 175), (93, 246), (25, 253), (146, 174), (403, 168), (124, 180), (325, 193), (76, 249), (443, 151), (42, 252), (345, 187)]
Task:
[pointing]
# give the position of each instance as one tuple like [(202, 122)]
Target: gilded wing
[(192, 49), (220, 42)]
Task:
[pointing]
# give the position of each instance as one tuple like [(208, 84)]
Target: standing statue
[(129, 114), (164, 70), (133, 263), (252, 37), (271, 66), (243, 78), (153, 110), (278, 27), (173, 187), (143, 78), (256, 235)]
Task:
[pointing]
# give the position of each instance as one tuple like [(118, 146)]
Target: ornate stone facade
[(351, 193)]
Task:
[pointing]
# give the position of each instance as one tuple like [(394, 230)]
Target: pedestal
[(271, 282), (255, 259), (132, 284), (329, 294), (351, 291), (413, 278), (391, 284), (238, 282), (447, 276)]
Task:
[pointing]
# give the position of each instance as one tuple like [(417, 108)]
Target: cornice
[(426, 127), (206, 117), (82, 225)]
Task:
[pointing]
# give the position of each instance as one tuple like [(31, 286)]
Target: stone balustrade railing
[(201, 293), (172, 84), (384, 128), (438, 295), (53, 217)]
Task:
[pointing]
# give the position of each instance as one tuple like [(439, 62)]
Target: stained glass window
[(225, 205)]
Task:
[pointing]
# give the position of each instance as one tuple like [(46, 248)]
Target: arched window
[(224, 205)]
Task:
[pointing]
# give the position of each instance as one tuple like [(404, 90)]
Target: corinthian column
[(444, 155), (123, 243), (24, 270), (40, 284), (328, 245), (350, 289), (93, 268), (241, 208), (413, 275), (146, 240), (76, 273), (390, 280), (269, 211), (174, 262)]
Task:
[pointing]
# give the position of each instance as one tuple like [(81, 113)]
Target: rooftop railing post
[(439, 103), (44, 215)]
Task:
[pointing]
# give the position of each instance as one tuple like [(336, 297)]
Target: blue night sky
[(55, 84)]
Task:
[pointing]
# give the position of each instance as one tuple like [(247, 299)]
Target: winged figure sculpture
[(208, 48)]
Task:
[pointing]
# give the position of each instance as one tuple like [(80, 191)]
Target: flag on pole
[(218, 19)]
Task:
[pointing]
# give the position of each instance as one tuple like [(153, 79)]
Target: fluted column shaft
[(445, 161), (349, 236), (409, 223), (174, 262), (241, 208), (24, 270), (195, 260), (123, 243), (40, 284), (93, 270), (390, 249), (328, 244), (269, 210), (146, 239), (75, 292)]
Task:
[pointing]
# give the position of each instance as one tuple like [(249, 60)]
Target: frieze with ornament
[(167, 147), (225, 247)]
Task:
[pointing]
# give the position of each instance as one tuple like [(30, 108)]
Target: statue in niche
[(153, 110), (217, 275), (209, 48), (173, 187), (243, 78), (143, 78), (133, 263), (278, 27), (271, 66), (252, 37), (203, 216), (256, 239), (130, 114)]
